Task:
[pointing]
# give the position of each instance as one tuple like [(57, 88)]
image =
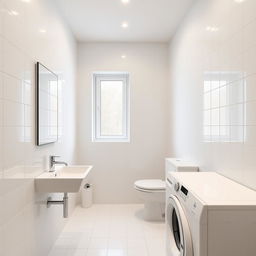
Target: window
[(110, 107)]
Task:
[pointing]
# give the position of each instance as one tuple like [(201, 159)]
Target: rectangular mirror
[(46, 105)]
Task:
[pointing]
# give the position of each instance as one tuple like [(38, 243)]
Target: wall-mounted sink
[(66, 179)]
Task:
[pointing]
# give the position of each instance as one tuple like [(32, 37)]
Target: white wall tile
[(1, 143), (14, 22), (29, 70), (248, 9), (207, 100), (1, 112), (13, 60), (12, 89), (249, 35), (215, 98), (250, 136), (250, 88), (237, 134), (250, 117), (237, 114), (215, 116), (249, 60), (1, 18), (13, 113), (225, 115), (1, 241), (236, 92), (28, 93), (1, 86), (28, 116), (13, 138), (1, 52)]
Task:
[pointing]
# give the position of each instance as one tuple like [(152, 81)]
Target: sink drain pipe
[(64, 202)]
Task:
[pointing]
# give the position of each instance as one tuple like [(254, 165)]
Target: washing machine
[(209, 215)]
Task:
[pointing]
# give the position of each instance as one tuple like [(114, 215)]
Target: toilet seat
[(150, 185)]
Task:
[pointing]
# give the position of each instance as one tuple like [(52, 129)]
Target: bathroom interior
[(102, 103)]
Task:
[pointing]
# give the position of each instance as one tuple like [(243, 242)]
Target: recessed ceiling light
[(125, 1), (42, 30), (26, 1), (124, 25), (123, 56), (212, 29), (239, 1), (13, 13)]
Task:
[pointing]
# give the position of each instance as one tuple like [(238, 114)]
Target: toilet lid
[(150, 184)]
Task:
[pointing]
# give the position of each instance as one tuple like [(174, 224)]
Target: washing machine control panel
[(184, 190), (183, 193), (181, 190)]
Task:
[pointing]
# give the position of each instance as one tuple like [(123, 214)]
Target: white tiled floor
[(110, 230)]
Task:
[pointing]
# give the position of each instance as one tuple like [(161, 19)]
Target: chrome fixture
[(53, 162), (64, 202)]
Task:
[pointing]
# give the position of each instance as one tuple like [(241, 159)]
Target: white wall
[(118, 165), (27, 227), (226, 56)]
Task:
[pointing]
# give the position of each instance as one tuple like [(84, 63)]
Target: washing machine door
[(179, 241)]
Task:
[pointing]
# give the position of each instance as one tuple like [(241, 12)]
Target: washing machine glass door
[(179, 242)]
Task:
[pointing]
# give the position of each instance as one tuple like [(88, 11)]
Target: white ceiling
[(100, 20)]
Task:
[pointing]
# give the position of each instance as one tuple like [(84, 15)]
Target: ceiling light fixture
[(25, 1), (124, 25), (43, 31), (239, 1), (123, 56), (212, 29), (125, 1)]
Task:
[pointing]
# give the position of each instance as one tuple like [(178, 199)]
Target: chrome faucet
[(53, 162)]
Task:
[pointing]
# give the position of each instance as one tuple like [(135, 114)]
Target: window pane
[(111, 108)]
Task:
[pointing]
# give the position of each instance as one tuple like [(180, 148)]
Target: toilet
[(152, 191)]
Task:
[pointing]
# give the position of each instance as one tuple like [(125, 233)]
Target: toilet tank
[(179, 165)]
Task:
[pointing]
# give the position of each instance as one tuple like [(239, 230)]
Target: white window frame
[(96, 115)]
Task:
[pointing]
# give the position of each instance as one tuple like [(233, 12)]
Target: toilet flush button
[(177, 186)]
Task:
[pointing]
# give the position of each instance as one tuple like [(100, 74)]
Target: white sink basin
[(66, 179)]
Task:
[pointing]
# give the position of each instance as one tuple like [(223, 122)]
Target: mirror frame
[(38, 64)]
